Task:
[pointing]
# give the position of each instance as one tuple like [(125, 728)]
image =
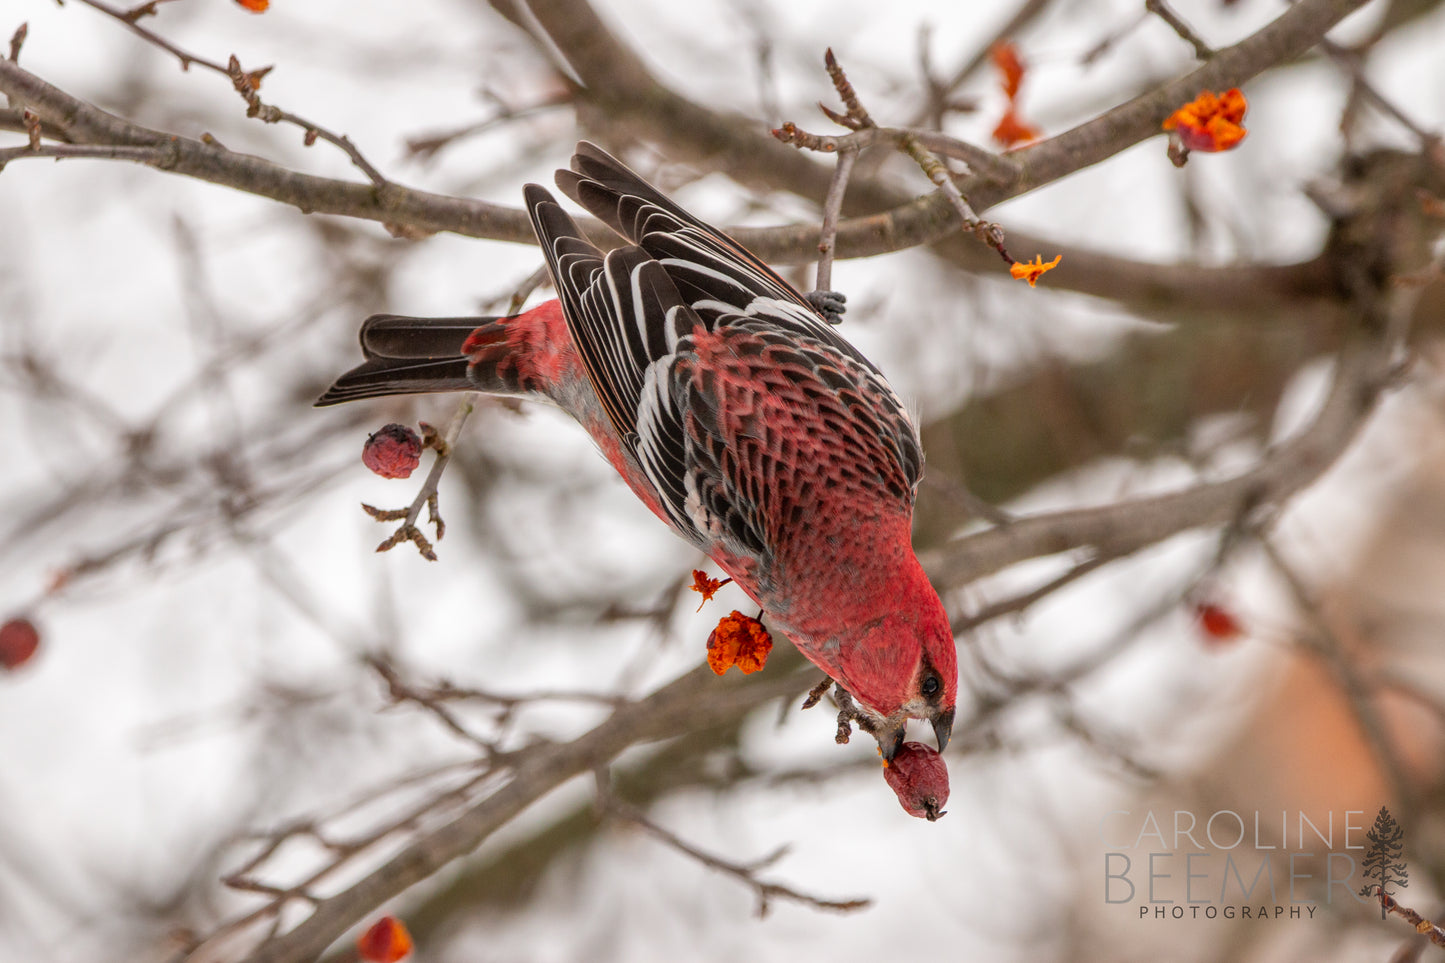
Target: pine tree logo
[(1384, 863)]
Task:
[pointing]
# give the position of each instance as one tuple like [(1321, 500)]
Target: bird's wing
[(633, 314), (713, 273), (625, 317)]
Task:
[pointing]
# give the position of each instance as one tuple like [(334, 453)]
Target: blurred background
[(183, 529)]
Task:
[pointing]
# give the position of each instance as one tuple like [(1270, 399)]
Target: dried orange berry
[(739, 640), (1210, 123)]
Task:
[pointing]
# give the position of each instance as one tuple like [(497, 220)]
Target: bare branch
[(906, 224), (693, 701), (744, 872), (444, 444), (1162, 10), (1026, 14), (1432, 931), (1331, 650), (1349, 62), (87, 124), (832, 207), (1361, 372), (245, 82), (146, 155), (858, 119), (17, 40)]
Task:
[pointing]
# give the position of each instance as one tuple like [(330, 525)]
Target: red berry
[(919, 777), (385, 942), (18, 641), (393, 452), (1217, 622)]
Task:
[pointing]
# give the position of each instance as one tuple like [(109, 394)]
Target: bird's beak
[(890, 739), (943, 728)]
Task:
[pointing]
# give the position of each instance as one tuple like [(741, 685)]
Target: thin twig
[(984, 163), (1027, 12), (744, 872), (1018, 603), (246, 84), (1331, 649), (695, 700), (1362, 372), (427, 495), (1350, 63), (1107, 42), (1422, 926), (524, 290), (1162, 10), (148, 9), (832, 208), (151, 37), (856, 118), (17, 40), (426, 146), (61, 151), (343, 854), (402, 691), (904, 223)]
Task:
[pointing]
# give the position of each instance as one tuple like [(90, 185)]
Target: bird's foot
[(830, 304), (816, 693), (848, 715)]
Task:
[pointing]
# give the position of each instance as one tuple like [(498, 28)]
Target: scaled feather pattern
[(733, 409)]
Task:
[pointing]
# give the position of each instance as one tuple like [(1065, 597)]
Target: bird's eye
[(930, 686)]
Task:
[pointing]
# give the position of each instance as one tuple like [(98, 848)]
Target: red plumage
[(734, 411)]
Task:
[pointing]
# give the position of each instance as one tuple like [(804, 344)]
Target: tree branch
[(87, 124), (748, 153), (695, 700), (1126, 526)]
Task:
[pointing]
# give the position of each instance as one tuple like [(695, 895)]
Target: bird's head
[(903, 665)]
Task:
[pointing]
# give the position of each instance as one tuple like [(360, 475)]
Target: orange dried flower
[(1005, 57), (1012, 130), (739, 640), (1209, 123), (706, 587), (385, 942), (1030, 270), (255, 6)]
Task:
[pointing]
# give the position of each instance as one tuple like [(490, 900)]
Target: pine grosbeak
[(734, 411)]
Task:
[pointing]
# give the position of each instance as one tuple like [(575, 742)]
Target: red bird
[(733, 410)]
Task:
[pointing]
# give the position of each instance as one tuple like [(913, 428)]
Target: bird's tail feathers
[(411, 356)]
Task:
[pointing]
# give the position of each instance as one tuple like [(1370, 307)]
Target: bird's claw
[(830, 304)]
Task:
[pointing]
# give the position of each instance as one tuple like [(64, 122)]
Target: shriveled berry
[(919, 777), (393, 452), (18, 641)]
